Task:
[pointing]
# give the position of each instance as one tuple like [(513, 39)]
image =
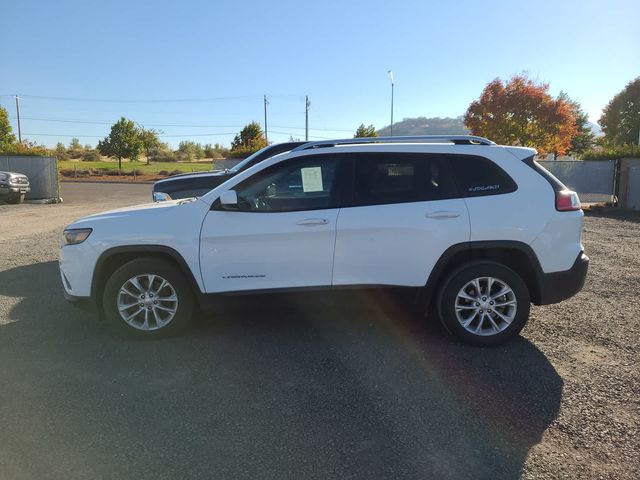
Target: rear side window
[(400, 178), (478, 176)]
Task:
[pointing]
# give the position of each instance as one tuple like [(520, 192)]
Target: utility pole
[(18, 115), (390, 72), (307, 104), (266, 135)]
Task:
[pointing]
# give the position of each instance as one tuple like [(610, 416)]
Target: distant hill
[(426, 126), (595, 129)]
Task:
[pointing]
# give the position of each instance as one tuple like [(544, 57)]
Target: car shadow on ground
[(345, 385)]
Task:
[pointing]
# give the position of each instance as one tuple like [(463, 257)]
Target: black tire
[(151, 266), (467, 273), (15, 199)]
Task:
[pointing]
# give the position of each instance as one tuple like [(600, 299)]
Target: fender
[(461, 252), (142, 250)]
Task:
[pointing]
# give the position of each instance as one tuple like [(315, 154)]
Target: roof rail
[(456, 139)]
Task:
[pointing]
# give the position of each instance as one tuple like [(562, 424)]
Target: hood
[(13, 175), (181, 176), (145, 210)]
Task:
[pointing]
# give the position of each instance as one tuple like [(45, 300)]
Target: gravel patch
[(313, 386)]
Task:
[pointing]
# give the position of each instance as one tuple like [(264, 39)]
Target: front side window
[(294, 185), (400, 178)]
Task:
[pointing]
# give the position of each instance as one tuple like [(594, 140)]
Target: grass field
[(141, 167)]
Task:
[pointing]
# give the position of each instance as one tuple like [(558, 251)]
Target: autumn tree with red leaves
[(521, 112)]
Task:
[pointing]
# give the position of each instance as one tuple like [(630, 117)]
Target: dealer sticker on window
[(311, 179)]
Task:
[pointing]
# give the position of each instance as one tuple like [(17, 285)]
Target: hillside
[(426, 126)]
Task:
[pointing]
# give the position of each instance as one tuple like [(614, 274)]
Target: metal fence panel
[(42, 173), (633, 193), (592, 179)]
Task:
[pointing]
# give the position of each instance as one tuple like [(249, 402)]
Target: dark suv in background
[(196, 184)]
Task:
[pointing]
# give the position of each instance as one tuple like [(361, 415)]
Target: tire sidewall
[(151, 266), (461, 276)]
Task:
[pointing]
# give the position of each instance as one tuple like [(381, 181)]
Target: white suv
[(478, 230)]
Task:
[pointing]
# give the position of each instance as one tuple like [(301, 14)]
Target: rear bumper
[(558, 286)]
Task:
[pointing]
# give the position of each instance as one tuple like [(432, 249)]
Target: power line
[(189, 125), (102, 136), (114, 100)]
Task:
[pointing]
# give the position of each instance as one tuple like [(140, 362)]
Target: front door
[(282, 233)]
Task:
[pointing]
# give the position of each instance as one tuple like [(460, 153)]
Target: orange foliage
[(521, 112)]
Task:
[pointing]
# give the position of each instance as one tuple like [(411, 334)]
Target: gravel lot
[(344, 385)]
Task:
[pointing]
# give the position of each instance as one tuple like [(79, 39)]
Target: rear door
[(403, 216)]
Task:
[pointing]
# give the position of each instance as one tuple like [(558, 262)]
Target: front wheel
[(484, 303), (148, 298)]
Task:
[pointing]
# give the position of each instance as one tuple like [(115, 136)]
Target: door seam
[(335, 241)]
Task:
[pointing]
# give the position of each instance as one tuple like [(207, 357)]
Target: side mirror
[(160, 197), (229, 199)]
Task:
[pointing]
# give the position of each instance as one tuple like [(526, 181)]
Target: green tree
[(122, 142), (75, 144), (7, 138), (248, 141), (584, 139), (363, 131), (215, 151), (150, 141), (189, 150), (61, 150), (620, 120)]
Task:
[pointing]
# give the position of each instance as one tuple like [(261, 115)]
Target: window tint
[(478, 176), (305, 184), (399, 178)]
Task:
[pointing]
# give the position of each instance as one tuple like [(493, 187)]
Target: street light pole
[(307, 104), (266, 134), (390, 72), (18, 115)]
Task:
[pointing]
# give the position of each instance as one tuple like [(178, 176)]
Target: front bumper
[(558, 286), (86, 304), (8, 189)]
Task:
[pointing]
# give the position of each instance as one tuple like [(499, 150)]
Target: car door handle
[(310, 222), (442, 214)]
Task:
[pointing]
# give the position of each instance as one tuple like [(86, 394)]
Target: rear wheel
[(484, 303), (148, 298)]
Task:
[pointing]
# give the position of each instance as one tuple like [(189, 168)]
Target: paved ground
[(313, 386)]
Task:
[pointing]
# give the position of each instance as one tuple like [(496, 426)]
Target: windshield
[(247, 161)]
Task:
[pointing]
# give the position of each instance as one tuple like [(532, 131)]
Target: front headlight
[(73, 236)]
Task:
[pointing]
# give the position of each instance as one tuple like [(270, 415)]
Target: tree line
[(521, 112), (518, 111)]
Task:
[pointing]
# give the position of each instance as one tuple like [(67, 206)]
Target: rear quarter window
[(479, 176)]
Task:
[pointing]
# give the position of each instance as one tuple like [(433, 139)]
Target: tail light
[(567, 201)]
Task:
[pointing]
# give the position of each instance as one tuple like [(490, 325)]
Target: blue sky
[(136, 55)]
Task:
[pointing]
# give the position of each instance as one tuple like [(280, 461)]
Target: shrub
[(612, 153), (164, 156), (91, 156)]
